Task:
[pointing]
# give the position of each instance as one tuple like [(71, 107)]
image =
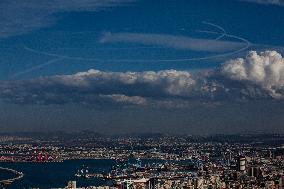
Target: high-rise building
[(254, 171), (241, 163)]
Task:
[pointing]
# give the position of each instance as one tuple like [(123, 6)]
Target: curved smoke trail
[(222, 33), (36, 67)]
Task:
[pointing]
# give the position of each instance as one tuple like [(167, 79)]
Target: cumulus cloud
[(257, 76), (18, 16), (177, 42), (95, 86), (167, 82), (265, 69), (120, 98)]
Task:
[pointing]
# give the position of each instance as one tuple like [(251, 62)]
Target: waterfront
[(54, 174), (6, 175)]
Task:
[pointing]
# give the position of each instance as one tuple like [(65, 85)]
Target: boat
[(82, 172)]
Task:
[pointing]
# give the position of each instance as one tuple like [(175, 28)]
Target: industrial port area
[(155, 161)]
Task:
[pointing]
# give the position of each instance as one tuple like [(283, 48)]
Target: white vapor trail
[(222, 33), (58, 55), (36, 67), (247, 44), (158, 60)]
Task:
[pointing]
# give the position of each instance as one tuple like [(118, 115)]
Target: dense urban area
[(185, 161)]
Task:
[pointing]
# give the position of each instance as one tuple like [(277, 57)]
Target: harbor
[(18, 176)]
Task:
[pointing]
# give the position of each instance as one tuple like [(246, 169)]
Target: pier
[(18, 174)]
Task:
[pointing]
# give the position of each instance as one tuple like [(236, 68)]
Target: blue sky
[(175, 59), (77, 33)]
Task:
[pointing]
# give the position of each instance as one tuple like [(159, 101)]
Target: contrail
[(58, 55), (222, 34), (106, 48), (248, 43), (36, 67)]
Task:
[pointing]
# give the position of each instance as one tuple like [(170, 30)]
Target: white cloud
[(20, 16), (96, 86), (171, 41), (265, 69), (168, 82), (120, 98), (257, 76)]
